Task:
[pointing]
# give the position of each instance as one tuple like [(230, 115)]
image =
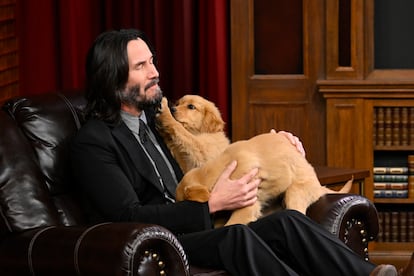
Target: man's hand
[(293, 139), (230, 194)]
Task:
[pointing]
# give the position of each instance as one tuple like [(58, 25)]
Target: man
[(122, 180)]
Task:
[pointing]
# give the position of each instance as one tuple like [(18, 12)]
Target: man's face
[(142, 87)]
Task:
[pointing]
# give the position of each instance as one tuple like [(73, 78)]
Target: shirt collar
[(132, 121)]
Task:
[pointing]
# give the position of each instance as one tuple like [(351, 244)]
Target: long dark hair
[(107, 72)]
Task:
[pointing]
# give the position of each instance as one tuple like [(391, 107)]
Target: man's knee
[(240, 232)]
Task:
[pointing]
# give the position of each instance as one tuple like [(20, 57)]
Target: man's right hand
[(229, 194)]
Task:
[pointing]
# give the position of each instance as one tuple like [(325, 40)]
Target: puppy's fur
[(193, 130), (281, 168)]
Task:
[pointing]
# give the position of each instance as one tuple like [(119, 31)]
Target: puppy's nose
[(173, 109)]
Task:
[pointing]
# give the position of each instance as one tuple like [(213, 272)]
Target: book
[(380, 236), (391, 186), (411, 126), (390, 193), (396, 120), (410, 162), (388, 126), (394, 227), (386, 226), (374, 127), (410, 226), (404, 126), (390, 177), (390, 170), (380, 126), (411, 186), (403, 226)]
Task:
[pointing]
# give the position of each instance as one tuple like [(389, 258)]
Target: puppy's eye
[(191, 106)]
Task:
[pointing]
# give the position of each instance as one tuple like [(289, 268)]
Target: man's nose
[(153, 72)]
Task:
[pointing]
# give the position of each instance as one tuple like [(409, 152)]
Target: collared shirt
[(132, 123)]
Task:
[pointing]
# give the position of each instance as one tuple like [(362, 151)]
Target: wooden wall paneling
[(241, 33), (263, 114), (286, 99), (350, 143), (355, 70)]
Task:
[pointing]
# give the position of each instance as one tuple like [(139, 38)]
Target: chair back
[(36, 189)]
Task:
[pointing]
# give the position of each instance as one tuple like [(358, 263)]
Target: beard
[(132, 97)]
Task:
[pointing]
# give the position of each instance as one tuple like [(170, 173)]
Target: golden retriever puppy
[(193, 130), (282, 169)]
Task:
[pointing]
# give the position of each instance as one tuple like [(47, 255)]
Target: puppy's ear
[(212, 121)]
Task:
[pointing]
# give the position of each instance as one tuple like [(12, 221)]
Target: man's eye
[(191, 106)]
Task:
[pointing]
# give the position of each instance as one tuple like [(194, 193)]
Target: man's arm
[(110, 183)]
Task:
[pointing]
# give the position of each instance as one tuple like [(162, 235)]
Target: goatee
[(132, 97)]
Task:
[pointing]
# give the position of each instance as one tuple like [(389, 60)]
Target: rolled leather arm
[(352, 218), (103, 249)]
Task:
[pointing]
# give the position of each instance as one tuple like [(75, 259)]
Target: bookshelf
[(356, 139), (369, 77)]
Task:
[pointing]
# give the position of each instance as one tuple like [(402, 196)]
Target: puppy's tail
[(347, 187), (344, 190)]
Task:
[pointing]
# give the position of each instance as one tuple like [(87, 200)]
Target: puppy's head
[(198, 115)]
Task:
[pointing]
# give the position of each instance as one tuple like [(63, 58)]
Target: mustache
[(152, 83)]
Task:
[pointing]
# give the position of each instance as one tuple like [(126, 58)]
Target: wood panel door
[(276, 57)]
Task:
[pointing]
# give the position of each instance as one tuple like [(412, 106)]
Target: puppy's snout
[(173, 109)]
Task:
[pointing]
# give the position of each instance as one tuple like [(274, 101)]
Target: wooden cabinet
[(363, 77), (320, 69), (275, 62), (352, 142)]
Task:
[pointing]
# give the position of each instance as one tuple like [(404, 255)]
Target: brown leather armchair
[(43, 230)]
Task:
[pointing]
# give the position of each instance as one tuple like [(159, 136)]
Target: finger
[(229, 170), (289, 136), (272, 130), (254, 185), (250, 201), (249, 176), (300, 148)]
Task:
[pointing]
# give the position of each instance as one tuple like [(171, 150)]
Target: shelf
[(394, 200), (396, 253), (394, 148)]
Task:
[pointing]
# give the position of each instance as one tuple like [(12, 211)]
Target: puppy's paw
[(197, 193), (164, 104), (164, 116)]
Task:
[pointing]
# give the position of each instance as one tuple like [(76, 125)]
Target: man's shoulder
[(93, 124), (93, 128)]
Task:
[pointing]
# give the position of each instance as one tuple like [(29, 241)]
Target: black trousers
[(283, 243)]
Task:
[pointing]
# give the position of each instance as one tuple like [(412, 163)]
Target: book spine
[(411, 125), (380, 126), (380, 236), (390, 170), (410, 226), (390, 177), (374, 127), (394, 227), (390, 193), (403, 223), (396, 121), (404, 126), (386, 226), (388, 126), (391, 185)]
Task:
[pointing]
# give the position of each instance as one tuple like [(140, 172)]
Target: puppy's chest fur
[(198, 149), (192, 150)]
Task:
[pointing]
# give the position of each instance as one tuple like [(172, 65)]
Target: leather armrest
[(352, 218), (103, 249)]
